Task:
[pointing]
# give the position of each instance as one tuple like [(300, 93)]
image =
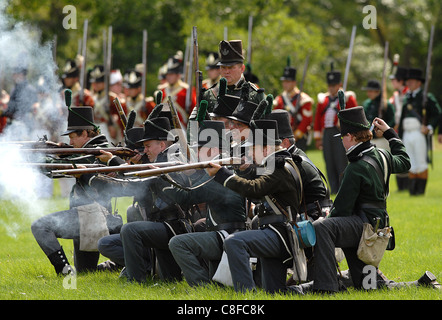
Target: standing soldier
[(70, 77), (116, 84), (212, 69), (416, 125), (135, 99), (177, 89), (105, 112), (232, 69), (301, 114), (372, 110), (400, 90), (326, 126), (397, 99), (21, 101)]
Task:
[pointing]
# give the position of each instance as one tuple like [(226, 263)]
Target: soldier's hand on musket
[(105, 156), (79, 166), (318, 143), (136, 159), (380, 125), (213, 169), (425, 129)]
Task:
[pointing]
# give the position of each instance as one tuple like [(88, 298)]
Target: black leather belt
[(228, 226), (276, 218)]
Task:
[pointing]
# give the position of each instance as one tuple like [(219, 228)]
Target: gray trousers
[(111, 247), (139, 235), (334, 157), (190, 248), (64, 225), (263, 244), (341, 232)]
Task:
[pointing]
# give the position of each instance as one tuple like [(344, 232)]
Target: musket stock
[(121, 113)]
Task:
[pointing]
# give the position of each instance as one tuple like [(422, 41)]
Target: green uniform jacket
[(361, 184), (278, 182), (211, 94), (371, 108)]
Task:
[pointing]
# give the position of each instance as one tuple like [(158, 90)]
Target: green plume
[(269, 108), (202, 111), (131, 120), (341, 97), (155, 112), (68, 97), (260, 110), (158, 96), (222, 87)]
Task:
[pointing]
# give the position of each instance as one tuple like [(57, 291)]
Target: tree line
[(281, 29)]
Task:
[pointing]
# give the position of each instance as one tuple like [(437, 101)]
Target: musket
[(425, 95), (58, 166), (83, 67), (350, 52), (107, 69), (39, 144), (144, 62), (185, 167), (383, 102), (105, 169), (118, 151), (301, 85), (198, 73), (177, 125), (427, 78), (188, 58), (249, 40), (123, 117)]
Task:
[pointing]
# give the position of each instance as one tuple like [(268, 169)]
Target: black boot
[(420, 186), (412, 185), (429, 279), (402, 182), (59, 260)]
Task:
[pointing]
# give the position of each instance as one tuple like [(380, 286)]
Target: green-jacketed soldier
[(232, 69)]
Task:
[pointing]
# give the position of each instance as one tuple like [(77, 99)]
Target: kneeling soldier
[(279, 187)]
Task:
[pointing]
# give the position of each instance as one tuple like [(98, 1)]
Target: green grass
[(26, 274)]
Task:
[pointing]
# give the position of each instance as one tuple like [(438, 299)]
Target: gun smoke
[(39, 112)]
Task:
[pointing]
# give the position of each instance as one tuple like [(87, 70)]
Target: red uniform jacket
[(301, 121), (178, 94), (321, 107)]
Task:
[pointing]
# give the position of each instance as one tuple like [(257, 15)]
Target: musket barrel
[(58, 166), (350, 52), (120, 151), (121, 168), (184, 167)]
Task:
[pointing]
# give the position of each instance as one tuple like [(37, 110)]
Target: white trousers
[(416, 144)]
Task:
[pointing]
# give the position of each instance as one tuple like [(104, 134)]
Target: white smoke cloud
[(21, 48)]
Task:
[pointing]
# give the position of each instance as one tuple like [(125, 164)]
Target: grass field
[(26, 274)]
